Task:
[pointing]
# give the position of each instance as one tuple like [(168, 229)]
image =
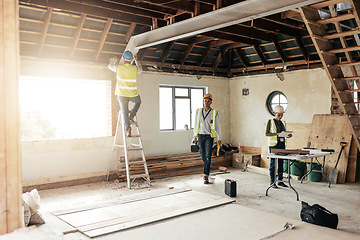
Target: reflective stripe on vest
[(272, 140), (126, 75), (212, 122)]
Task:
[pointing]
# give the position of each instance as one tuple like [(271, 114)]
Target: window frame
[(174, 97), (270, 97)]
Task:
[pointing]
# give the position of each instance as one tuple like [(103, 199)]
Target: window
[(178, 106), (53, 108), (276, 98)]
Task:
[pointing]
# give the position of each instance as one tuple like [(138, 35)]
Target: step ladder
[(125, 143), (337, 44)]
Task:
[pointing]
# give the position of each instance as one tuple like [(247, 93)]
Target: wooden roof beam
[(167, 51), (181, 4), (242, 57), (219, 57), (45, 29), (103, 38), (260, 54), (91, 10), (279, 50), (302, 48), (148, 7), (77, 34), (130, 32), (206, 52)]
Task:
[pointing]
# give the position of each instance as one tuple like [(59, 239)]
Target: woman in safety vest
[(273, 128)]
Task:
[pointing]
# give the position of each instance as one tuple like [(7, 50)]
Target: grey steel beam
[(223, 17)]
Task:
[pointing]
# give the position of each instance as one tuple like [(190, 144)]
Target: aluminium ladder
[(129, 148), (337, 45)]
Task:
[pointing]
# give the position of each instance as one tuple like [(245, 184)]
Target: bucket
[(297, 168), (314, 176)]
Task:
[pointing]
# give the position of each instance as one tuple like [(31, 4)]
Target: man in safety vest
[(126, 87), (207, 126), (273, 128)]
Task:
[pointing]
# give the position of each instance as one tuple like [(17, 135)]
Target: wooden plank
[(328, 130), (351, 168), (103, 220), (123, 200), (10, 164), (290, 151)]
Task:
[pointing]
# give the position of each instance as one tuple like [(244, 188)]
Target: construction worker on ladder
[(126, 87)]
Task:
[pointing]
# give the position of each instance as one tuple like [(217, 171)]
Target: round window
[(276, 98)]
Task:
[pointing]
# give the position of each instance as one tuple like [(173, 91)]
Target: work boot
[(281, 184), (128, 132), (206, 179)]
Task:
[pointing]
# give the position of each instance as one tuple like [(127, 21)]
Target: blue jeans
[(272, 168), (205, 143), (124, 107)]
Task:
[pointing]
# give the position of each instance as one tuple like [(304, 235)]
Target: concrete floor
[(342, 199)]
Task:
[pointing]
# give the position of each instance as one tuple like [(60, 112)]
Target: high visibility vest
[(272, 140), (213, 114), (126, 75)]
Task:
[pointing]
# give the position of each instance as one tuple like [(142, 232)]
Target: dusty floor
[(342, 199)]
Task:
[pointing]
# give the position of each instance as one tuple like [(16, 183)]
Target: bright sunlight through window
[(53, 108)]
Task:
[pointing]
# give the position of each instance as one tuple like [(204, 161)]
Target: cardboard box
[(239, 160)]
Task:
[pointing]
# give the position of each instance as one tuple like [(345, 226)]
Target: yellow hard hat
[(208, 95)]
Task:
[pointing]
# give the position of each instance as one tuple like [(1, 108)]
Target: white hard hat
[(279, 109)]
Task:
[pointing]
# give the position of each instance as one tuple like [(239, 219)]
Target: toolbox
[(230, 188)]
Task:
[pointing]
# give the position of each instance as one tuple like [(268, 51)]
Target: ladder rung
[(133, 136), (342, 34), (327, 53), (117, 145), (139, 176), (339, 18), (346, 78), (134, 149), (349, 103), (350, 90), (315, 23), (136, 162), (349, 49), (347, 64)]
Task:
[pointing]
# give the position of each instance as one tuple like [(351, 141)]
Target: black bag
[(230, 188), (318, 215), (194, 147)]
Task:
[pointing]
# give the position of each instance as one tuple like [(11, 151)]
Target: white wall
[(158, 142), (48, 161), (242, 117), (308, 93)]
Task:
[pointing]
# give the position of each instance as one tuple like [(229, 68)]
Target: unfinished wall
[(48, 161), (308, 93), (172, 142)]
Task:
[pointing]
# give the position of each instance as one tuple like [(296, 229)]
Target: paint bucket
[(297, 168), (314, 176)]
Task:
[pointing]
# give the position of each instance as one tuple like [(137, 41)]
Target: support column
[(10, 163)]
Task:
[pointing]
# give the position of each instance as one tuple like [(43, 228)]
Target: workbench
[(314, 154)]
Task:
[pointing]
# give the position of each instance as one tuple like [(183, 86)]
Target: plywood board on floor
[(107, 218)]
